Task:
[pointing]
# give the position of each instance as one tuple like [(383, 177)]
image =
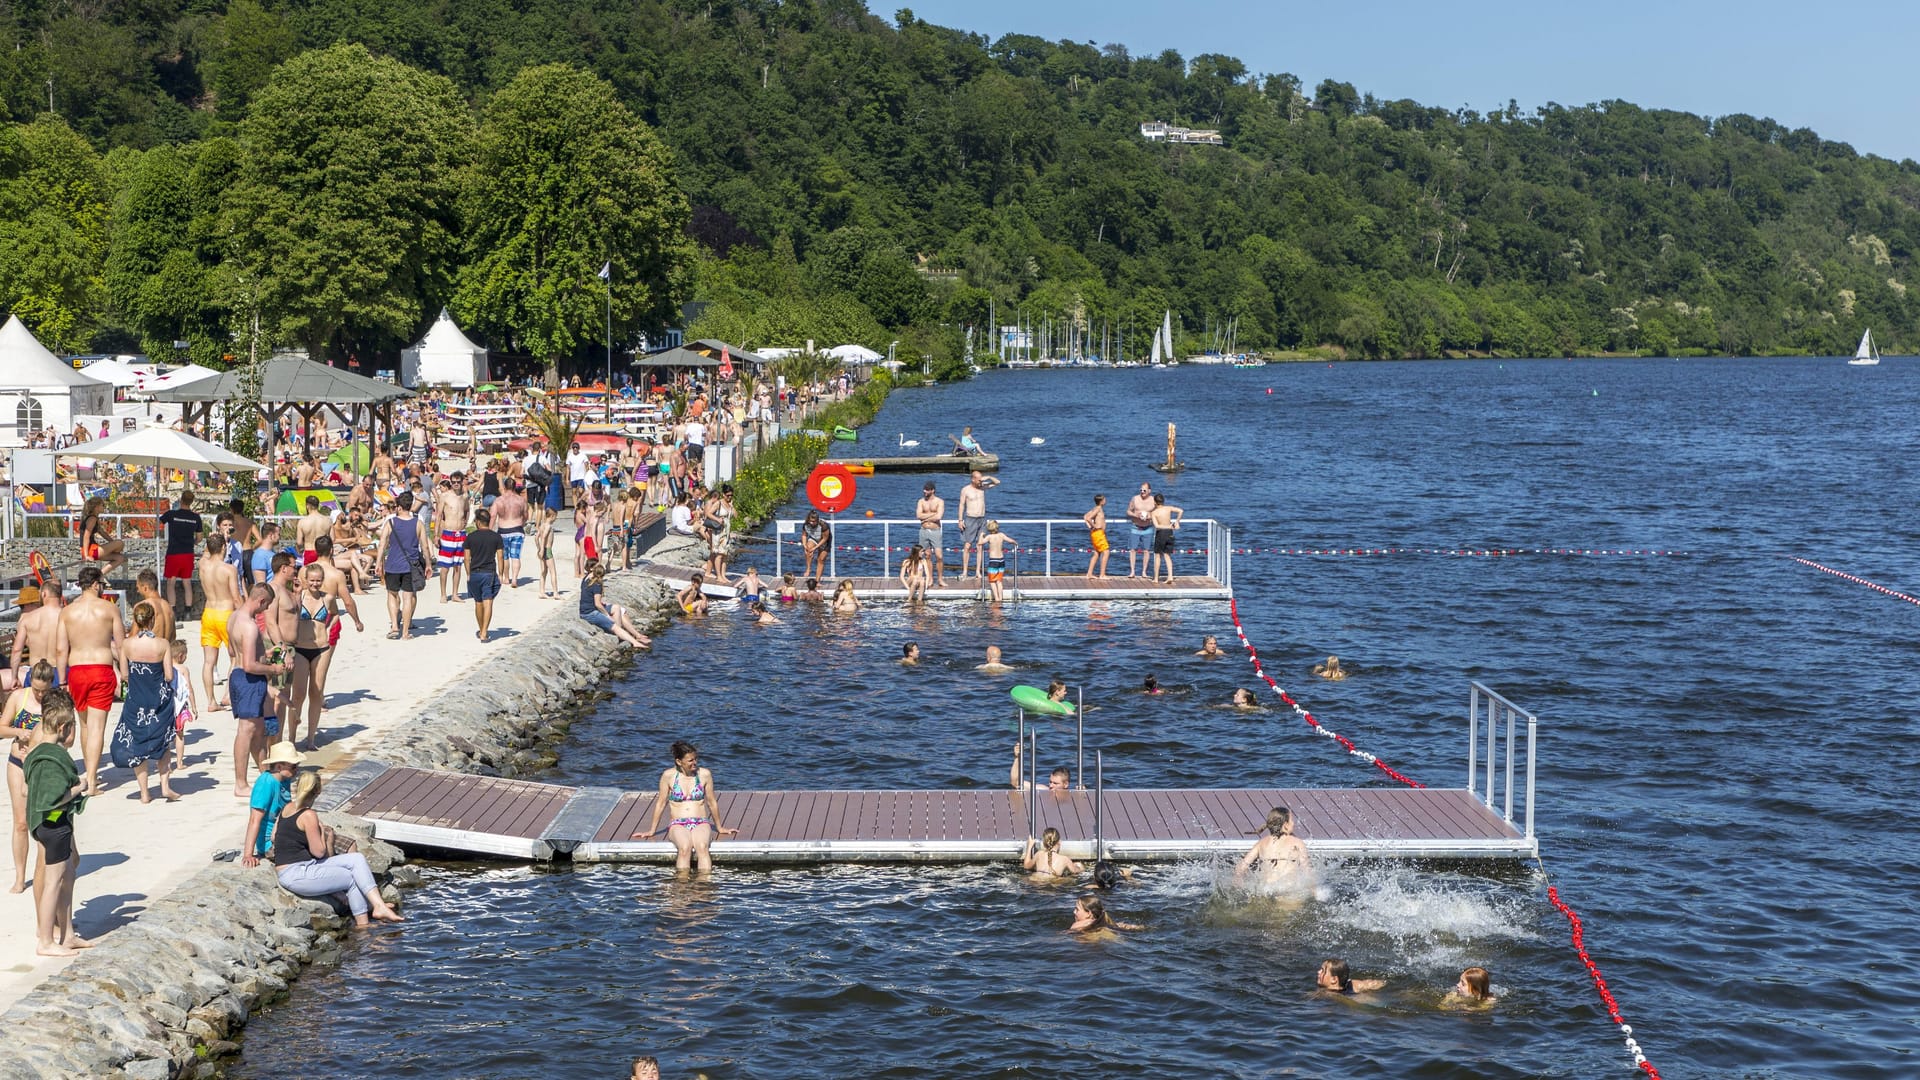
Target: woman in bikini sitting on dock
[(1279, 857), (688, 789)]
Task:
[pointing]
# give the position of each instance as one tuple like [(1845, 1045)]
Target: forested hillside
[(827, 172)]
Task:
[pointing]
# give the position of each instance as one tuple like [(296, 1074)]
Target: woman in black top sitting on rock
[(303, 855)]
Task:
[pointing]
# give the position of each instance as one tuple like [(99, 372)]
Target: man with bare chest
[(312, 525), (452, 507), (91, 664), (220, 581)]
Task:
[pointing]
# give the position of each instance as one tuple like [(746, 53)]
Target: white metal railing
[(1218, 542), (1495, 707)]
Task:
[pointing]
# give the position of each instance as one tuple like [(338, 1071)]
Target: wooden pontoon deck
[(922, 462), (516, 818), (1015, 588)]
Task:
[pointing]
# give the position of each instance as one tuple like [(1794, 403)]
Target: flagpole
[(606, 274)]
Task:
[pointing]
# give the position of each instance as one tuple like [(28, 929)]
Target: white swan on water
[(904, 441), (1037, 441)]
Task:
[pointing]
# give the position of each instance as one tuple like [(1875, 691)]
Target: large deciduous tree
[(566, 180), (341, 221), (53, 221)]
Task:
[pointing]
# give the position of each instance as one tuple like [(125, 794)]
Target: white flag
[(606, 271)]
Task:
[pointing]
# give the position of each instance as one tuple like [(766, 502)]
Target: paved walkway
[(132, 854)]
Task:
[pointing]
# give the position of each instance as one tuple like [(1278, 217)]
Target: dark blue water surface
[(1726, 763)]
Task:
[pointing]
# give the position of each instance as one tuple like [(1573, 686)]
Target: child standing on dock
[(993, 550)]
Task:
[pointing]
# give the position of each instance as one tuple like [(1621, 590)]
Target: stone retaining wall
[(164, 996)]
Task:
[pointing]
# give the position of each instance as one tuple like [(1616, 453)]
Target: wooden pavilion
[(291, 382)]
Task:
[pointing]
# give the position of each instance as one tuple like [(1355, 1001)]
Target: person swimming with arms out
[(1330, 670), (1280, 858), (1090, 915), (1044, 858), (1334, 976)]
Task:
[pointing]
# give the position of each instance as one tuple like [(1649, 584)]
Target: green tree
[(248, 43), (341, 220), (567, 180), (53, 221)]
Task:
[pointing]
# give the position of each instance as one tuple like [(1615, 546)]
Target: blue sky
[(1844, 71)]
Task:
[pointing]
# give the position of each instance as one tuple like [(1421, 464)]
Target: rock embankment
[(165, 995), (504, 716)]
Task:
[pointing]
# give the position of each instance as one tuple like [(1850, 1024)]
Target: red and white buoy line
[(1233, 608), (1844, 576), (1481, 553), (1640, 1061)]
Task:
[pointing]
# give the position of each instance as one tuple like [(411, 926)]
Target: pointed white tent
[(38, 391), (444, 357)]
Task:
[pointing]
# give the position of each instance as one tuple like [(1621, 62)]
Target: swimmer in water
[(1334, 975), (788, 594), (1209, 648), (1090, 914), (1151, 686), (1330, 669), (1474, 988), (761, 616), (910, 653), (1058, 781), (812, 591), (1107, 876), (1244, 700), (1279, 857), (1057, 691), (1043, 857), (993, 664), (691, 600), (844, 602)]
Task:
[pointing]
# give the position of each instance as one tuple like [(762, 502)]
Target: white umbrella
[(162, 448), (853, 354)]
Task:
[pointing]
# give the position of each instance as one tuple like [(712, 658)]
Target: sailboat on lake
[(1866, 355)]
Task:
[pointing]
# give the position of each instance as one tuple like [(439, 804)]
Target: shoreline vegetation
[(958, 183), (770, 477)]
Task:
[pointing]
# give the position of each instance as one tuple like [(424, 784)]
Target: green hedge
[(768, 480)]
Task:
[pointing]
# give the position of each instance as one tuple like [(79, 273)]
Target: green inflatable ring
[(1035, 700)]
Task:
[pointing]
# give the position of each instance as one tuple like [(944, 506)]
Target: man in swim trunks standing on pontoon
[(91, 664), (930, 509), (1140, 532), (973, 520)]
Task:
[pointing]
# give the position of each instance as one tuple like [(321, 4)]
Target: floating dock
[(1016, 587), (502, 818), (923, 463)]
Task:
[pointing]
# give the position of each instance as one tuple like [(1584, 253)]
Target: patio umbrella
[(162, 448)]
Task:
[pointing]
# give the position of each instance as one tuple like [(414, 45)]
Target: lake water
[(1727, 758)]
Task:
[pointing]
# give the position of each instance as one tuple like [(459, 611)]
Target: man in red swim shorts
[(88, 644), (183, 527)]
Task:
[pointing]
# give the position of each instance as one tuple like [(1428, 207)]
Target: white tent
[(180, 376), (38, 390), (444, 357), (853, 354), (122, 372)]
